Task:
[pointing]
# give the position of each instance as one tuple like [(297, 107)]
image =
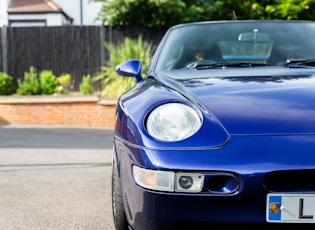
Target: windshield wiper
[(300, 62), (228, 64)]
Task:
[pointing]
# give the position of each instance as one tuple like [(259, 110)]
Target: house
[(36, 13), (48, 12)]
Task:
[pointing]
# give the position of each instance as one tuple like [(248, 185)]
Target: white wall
[(73, 9), (3, 12), (51, 19), (55, 20)]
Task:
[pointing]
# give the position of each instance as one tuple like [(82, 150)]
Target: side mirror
[(130, 68)]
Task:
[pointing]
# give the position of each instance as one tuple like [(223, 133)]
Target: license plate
[(291, 208)]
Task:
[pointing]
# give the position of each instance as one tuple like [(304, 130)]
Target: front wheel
[(119, 214)]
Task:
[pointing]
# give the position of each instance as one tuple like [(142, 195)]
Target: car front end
[(218, 144)]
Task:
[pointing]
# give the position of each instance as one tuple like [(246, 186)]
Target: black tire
[(119, 214)]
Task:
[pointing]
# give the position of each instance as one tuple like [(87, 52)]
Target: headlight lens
[(173, 122)]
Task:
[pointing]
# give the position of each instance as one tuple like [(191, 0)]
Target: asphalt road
[(55, 178)]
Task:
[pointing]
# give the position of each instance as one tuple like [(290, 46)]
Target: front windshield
[(257, 42)]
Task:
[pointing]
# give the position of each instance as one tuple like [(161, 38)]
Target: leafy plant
[(163, 14), (47, 81), (139, 12), (86, 85), (114, 85), (63, 83), (30, 85), (6, 84)]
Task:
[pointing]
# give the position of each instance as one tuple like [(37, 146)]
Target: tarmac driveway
[(55, 178)]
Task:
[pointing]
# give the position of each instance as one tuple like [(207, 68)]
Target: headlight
[(173, 122)]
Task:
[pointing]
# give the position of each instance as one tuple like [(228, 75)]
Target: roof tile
[(33, 6)]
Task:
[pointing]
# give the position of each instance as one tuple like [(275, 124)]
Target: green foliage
[(63, 83), (165, 13), (131, 12), (47, 82), (292, 9), (6, 84), (30, 85), (161, 13), (114, 85), (267, 9), (86, 86)]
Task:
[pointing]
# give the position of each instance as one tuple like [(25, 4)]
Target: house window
[(26, 23)]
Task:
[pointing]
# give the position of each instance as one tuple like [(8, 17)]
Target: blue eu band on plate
[(291, 208)]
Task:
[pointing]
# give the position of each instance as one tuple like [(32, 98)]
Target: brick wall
[(87, 111)]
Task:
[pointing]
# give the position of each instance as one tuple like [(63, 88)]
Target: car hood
[(254, 101)]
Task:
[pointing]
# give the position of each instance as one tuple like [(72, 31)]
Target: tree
[(155, 13), (267, 9), (165, 13), (292, 9), (140, 12)]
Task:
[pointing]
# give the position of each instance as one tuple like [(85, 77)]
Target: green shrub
[(114, 85), (47, 82), (30, 85), (86, 86), (6, 84), (63, 83)]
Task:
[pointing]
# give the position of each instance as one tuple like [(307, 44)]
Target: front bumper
[(250, 163)]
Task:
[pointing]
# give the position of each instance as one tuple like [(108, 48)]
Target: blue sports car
[(220, 134)]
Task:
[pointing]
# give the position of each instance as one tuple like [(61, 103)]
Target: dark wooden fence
[(77, 50)]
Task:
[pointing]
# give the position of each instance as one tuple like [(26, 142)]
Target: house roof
[(32, 6)]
